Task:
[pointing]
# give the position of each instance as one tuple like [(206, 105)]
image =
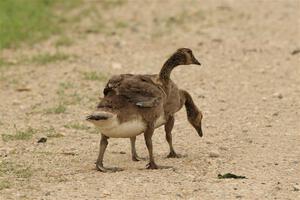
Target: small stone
[(278, 95), (244, 130), (296, 51), (116, 65), (262, 71), (217, 40), (214, 154), (296, 188), (278, 188), (122, 152), (275, 114), (16, 102), (201, 96), (42, 140), (223, 148), (208, 142), (268, 125), (105, 193), (47, 193), (264, 98)]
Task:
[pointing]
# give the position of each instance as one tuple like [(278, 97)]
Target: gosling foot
[(137, 158), (101, 168), (172, 154)]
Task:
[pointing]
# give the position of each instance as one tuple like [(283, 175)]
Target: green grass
[(112, 3), (65, 94), (55, 135), (121, 24), (66, 85), (19, 135), (4, 184), (19, 171), (63, 41), (59, 109), (51, 133), (94, 76), (76, 126), (30, 21), (46, 58), (4, 63)]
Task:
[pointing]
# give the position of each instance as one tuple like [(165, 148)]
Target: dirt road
[(248, 89)]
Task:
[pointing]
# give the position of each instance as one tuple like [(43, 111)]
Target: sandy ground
[(248, 89)]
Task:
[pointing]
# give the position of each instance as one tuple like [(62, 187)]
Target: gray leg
[(99, 163), (134, 155), (148, 139), (168, 129)]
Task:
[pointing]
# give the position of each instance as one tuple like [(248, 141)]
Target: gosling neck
[(167, 68)]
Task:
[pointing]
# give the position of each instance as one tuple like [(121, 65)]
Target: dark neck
[(167, 68)]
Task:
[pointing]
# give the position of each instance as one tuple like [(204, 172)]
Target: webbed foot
[(172, 154), (101, 168), (137, 158)]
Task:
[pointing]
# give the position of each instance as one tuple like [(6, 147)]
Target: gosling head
[(184, 56)]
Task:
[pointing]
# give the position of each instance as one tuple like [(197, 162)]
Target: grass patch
[(112, 3), (49, 58), (5, 63), (51, 133), (77, 126), (30, 21), (63, 41), (94, 76), (55, 135), (18, 171), (59, 109), (121, 24), (73, 98), (4, 184), (66, 85), (62, 87), (66, 96), (19, 135)]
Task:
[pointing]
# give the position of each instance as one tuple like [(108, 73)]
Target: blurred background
[(57, 55)]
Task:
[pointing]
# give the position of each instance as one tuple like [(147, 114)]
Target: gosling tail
[(194, 115)]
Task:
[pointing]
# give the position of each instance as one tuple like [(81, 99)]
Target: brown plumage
[(135, 104)]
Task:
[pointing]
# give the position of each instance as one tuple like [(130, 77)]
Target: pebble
[(275, 114), (264, 98), (296, 188), (214, 154), (105, 193), (296, 51), (223, 148), (244, 130), (47, 193), (42, 140), (277, 95)]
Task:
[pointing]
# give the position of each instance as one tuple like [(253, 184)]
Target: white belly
[(114, 129)]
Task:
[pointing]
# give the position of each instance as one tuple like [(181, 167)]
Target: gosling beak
[(95, 117), (195, 61), (99, 116)]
